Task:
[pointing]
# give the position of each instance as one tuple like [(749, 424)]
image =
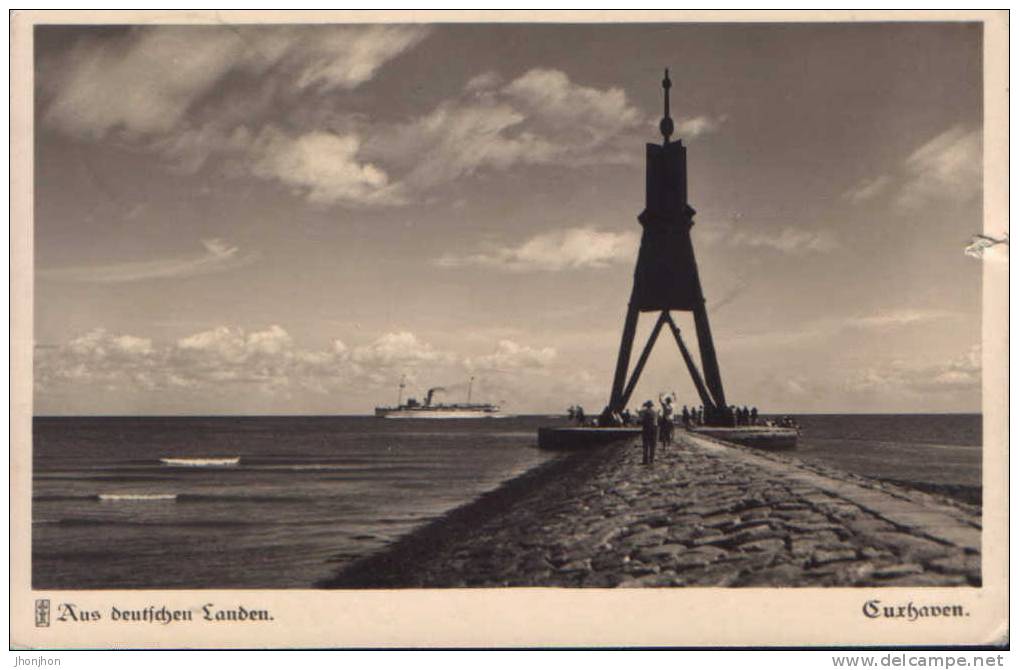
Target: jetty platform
[(706, 513), (575, 438)]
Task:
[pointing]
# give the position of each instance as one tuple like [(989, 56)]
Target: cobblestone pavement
[(709, 514)]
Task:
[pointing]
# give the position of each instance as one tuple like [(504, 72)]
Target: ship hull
[(385, 413)]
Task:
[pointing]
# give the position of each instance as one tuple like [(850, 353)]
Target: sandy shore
[(706, 514)]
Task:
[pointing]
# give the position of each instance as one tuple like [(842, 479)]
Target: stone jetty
[(707, 513)]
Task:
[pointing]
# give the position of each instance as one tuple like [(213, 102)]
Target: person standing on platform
[(686, 418), (753, 416), (649, 431)]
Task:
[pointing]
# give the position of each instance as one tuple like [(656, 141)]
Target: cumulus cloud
[(320, 165), (400, 349), (511, 356), (267, 360), (572, 248), (219, 256)]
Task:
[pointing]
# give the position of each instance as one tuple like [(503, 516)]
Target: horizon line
[(372, 416)]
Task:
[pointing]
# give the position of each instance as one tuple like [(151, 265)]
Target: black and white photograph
[(398, 304)]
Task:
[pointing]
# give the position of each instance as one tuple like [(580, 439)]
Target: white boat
[(200, 462), (412, 409)]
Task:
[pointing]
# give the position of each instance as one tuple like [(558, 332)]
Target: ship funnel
[(431, 391)]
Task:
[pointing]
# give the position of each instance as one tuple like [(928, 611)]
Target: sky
[(289, 219)]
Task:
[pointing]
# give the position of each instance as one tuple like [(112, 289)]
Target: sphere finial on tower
[(666, 125)]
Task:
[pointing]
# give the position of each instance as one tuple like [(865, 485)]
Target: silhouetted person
[(649, 431), (571, 413), (580, 415), (753, 416), (665, 424), (686, 417)]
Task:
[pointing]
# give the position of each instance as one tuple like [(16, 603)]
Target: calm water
[(939, 449), (307, 494), (311, 493)]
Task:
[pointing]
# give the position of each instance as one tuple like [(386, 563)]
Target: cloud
[(142, 82), (948, 167), (693, 127), (319, 165), (539, 118), (826, 328), (560, 105), (99, 359), (219, 256), (266, 102), (569, 249), (510, 356), (901, 317), (787, 240), (957, 375), (868, 189), (149, 79), (260, 99), (396, 350), (266, 360), (228, 362)]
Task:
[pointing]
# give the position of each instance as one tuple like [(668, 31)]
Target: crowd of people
[(658, 424)]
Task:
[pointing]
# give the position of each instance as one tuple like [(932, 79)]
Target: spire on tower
[(666, 124)]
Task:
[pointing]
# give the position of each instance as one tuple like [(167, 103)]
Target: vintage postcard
[(526, 329)]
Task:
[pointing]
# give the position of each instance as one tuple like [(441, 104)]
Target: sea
[(285, 502)]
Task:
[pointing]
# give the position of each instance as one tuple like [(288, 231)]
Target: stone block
[(825, 556)]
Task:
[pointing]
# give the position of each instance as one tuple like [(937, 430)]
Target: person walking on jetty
[(665, 424), (649, 431)]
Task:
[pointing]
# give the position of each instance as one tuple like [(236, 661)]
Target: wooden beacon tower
[(666, 279)]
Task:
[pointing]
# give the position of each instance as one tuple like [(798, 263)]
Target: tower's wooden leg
[(639, 368), (695, 374), (623, 362), (708, 360)]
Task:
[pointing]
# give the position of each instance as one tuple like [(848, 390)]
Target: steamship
[(412, 409)]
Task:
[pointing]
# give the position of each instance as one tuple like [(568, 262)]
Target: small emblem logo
[(42, 613)]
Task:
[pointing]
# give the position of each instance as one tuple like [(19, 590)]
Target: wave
[(137, 497), (152, 524), (61, 498), (178, 497), (201, 462), (242, 498)]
